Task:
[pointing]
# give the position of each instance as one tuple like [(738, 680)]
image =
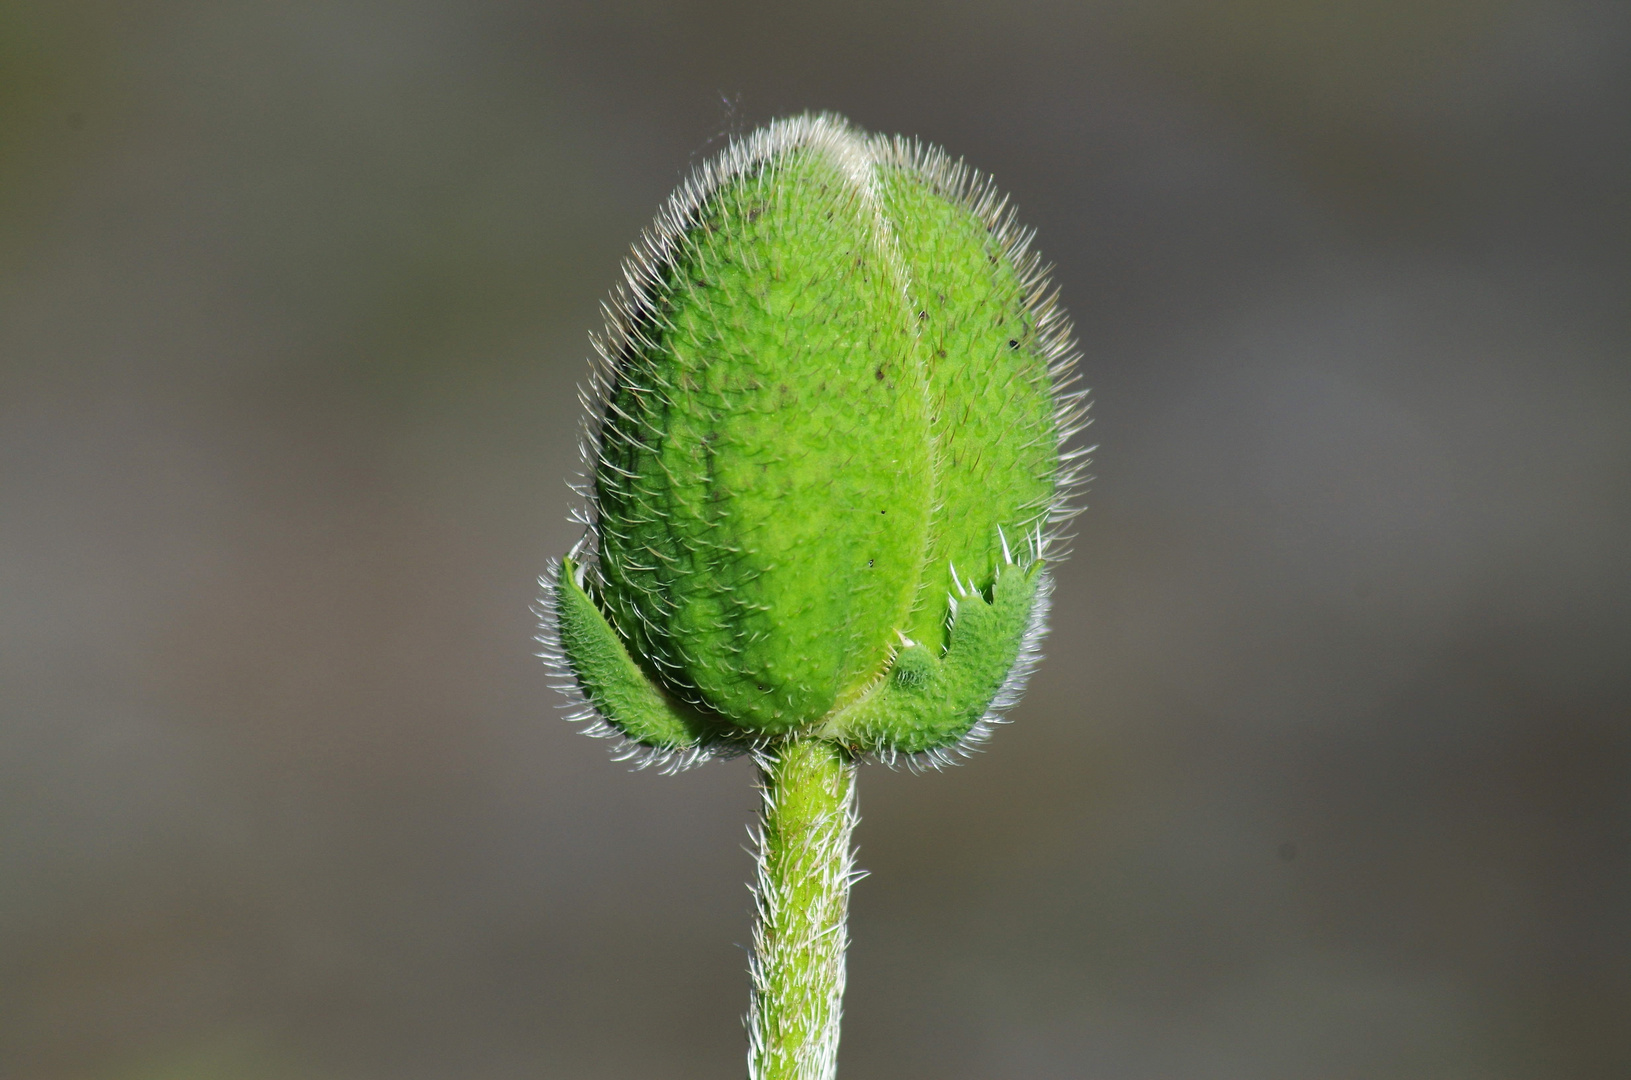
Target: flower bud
[(824, 458)]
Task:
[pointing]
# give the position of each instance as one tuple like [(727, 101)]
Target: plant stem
[(806, 866)]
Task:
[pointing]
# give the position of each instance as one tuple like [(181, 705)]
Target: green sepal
[(612, 681), (924, 702)]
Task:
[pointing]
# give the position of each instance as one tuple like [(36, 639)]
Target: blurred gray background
[(1326, 775)]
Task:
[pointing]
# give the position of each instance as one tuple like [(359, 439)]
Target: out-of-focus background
[(1328, 773)]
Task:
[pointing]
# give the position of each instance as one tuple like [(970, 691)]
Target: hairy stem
[(806, 866)]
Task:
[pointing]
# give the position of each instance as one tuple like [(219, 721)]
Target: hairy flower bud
[(824, 458)]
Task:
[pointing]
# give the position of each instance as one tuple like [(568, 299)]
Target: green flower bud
[(824, 459)]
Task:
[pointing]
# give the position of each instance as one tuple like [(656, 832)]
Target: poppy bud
[(824, 458)]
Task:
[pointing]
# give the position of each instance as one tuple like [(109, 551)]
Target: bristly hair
[(633, 302)]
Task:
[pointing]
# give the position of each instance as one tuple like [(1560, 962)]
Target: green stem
[(806, 866)]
